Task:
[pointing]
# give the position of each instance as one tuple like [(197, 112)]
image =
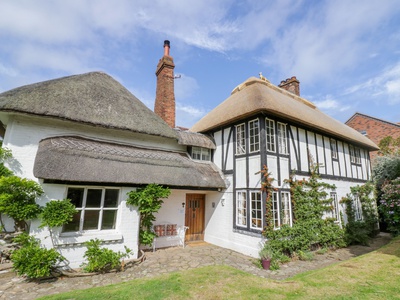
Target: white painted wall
[(23, 134)]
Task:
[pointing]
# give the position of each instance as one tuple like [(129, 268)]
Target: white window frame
[(355, 155), (254, 136), (270, 135), (241, 208), (357, 206), (101, 209), (240, 139), (286, 209), (256, 210), (334, 149), (276, 215), (282, 139), (335, 206), (200, 153)]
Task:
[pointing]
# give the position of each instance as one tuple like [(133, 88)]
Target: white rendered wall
[(71, 246)]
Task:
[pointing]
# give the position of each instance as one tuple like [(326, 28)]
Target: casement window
[(355, 155), (240, 139), (270, 134), (200, 153), (282, 139), (335, 206), (357, 208), (241, 209), (276, 216), (286, 210), (256, 210), (254, 137), (334, 149), (97, 208)]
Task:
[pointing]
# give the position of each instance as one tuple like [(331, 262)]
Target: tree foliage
[(149, 201), (57, 213), (390, 206), (389, 146), (18, 198)]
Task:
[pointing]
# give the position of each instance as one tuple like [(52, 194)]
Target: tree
[(18, 199), (389, 146)]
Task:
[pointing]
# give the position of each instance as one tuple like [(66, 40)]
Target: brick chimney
[(165, 97), (291, 84)]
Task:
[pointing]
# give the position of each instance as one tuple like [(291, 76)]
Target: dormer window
[(199, 153)]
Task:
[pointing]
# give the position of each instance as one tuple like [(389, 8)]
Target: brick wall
[(375, 129), (165, 96)]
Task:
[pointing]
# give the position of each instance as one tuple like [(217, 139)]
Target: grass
[(371, 276)]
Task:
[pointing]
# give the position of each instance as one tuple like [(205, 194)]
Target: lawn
[(375, 275)]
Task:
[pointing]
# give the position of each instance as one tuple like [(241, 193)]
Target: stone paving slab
[(175, 259)]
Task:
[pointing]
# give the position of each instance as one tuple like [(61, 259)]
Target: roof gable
[(93, 98)]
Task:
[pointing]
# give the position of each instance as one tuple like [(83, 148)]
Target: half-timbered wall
[(340, 163)]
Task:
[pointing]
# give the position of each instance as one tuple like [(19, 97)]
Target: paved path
[(175, 259)]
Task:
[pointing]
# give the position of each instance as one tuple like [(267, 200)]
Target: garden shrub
[(361, 231), (309, 230), (390, 206), (32, 260), (102, 259), (57, 213)]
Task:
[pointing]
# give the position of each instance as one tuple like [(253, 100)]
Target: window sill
[(75, 238)]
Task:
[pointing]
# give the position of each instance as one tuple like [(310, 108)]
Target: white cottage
[(87, 138)]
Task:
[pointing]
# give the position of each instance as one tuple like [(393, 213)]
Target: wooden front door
[(194, 217)]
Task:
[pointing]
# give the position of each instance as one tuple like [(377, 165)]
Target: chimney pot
[(166, 48), (291, 85)]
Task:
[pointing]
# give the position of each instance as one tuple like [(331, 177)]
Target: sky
[(346, 54)]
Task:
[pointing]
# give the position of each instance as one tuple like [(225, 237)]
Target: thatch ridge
[(256, 96)]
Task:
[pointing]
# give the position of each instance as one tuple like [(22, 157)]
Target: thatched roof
[(256, 96), (189, 138), (92, 98), (75, 159)]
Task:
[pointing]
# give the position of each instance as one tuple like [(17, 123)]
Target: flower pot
[(266, 263)]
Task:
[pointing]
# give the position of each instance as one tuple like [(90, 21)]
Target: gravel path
[(176, 259)]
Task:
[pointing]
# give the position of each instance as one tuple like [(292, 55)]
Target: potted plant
[(266, 256)]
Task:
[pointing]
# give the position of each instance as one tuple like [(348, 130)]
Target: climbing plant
[(268, 189), (149, 201), (309, 229), (360, 230)]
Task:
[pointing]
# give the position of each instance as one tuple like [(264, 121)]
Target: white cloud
[(385, 86), (331, 106)]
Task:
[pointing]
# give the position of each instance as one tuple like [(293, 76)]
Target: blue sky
[(346, 54)]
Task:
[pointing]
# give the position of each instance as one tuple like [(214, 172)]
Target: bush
[(390, 206), (57, 213), (33, 261), (102, 259)]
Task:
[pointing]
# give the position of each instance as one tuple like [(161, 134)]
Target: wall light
[(183, 204), (223, 201)]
